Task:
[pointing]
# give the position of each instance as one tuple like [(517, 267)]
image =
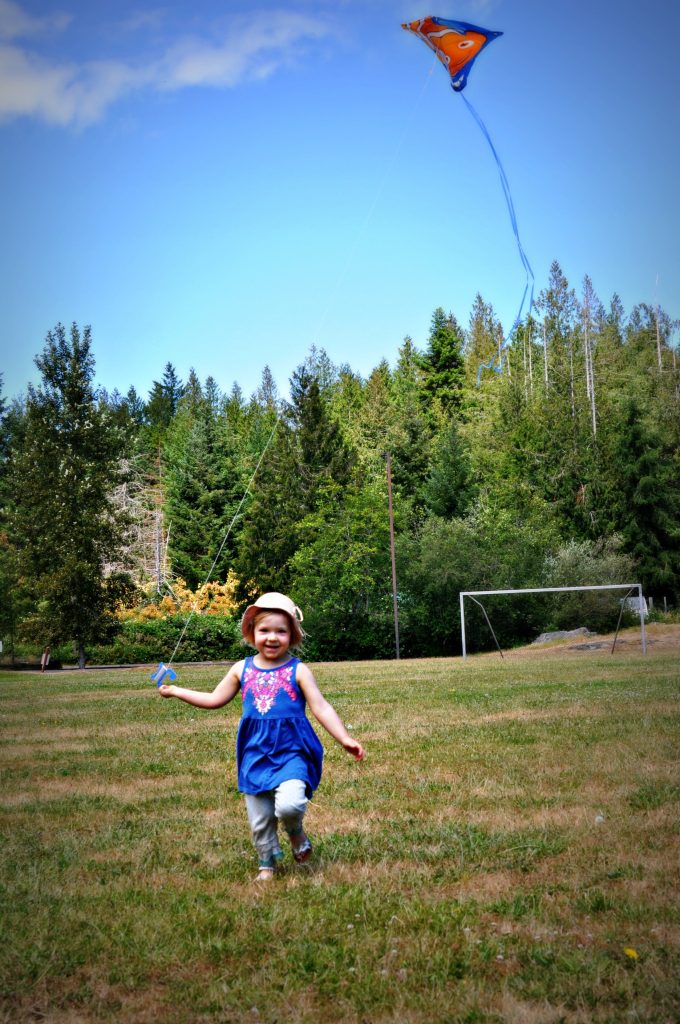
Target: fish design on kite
[(457, 44)]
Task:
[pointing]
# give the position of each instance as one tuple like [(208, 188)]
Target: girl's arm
[(325, 714), (225, 691)]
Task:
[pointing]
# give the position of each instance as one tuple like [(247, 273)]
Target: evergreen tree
[(126, 412), (213, 395), (648, 333), (62, 479), (307, 460), (134, 406), (449, 489), (346, 400), (192, 398), (442, 363), (409, 439), (610, 355), (341, 574), (10, 590), (375, 418), (204, 486), (481, 344), (322, 368), (323, 454), (558, 304), (270, 534), (162, 403), (645, 503), (267, 395)]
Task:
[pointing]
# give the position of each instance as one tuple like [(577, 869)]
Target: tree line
[(557, 467)]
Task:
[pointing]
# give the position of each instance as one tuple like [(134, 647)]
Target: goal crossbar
[(547, 590)]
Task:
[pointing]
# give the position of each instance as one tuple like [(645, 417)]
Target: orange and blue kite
[(457, 45)]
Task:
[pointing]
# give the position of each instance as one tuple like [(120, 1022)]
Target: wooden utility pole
[(392, 553)]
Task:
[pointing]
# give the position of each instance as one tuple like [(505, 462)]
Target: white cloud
[(16, 24), (253, 48), (29, 86), (60, 94), (79, 94)]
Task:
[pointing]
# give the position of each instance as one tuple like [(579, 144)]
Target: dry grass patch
[(460, 876), (135, 791), (26, 752)]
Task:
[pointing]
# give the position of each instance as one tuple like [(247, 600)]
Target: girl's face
[(272, 636)]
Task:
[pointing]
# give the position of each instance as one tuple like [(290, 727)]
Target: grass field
[(507, 852)]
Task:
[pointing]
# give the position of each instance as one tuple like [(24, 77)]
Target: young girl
[(278, 754)]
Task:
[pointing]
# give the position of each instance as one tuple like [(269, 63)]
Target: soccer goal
[(629, 587)]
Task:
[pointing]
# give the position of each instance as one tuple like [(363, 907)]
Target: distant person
[(45, 659), (278, 755)]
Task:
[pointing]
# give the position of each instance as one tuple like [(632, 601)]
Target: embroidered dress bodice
[(272, 692), (275, 740)]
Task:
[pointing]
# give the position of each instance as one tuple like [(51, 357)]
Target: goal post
[(547, 590)]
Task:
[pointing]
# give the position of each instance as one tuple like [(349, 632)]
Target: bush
[(490, 549), (206, 638), (589, 563)]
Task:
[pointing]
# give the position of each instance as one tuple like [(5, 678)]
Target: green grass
[(511, 833)]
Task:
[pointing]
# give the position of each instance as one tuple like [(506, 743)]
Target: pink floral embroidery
[(266, 685)]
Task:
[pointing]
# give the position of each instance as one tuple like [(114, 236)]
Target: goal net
[(629, 596)]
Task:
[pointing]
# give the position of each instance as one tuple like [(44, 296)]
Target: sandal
[(265, 875)]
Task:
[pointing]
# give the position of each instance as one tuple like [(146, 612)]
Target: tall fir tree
[(323, 454), (481, 344), (449, 489), (162, 404), (10, 589), (442, 363), (307, 460), (645, 502), (204, 486), (63, 518)]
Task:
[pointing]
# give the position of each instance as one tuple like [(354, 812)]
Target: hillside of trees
[(560, 469)]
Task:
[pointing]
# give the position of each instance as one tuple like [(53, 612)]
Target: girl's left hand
[(354, 748)]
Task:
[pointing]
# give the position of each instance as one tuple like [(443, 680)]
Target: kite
[(457, 45)]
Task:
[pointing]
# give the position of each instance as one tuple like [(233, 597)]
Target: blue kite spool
[(163, 674)]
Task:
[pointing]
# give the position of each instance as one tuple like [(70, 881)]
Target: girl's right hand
[(165, 690)]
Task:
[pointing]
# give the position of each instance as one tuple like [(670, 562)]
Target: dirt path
[(661, 637)]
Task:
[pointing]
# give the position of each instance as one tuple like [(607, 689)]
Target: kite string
[(226, 537), (491, 365), (360, 231)]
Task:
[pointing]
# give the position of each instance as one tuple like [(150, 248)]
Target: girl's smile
[(272, 638)]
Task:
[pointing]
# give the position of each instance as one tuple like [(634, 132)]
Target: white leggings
[(287, 803)]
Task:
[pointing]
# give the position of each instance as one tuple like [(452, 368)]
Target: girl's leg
[(264, 828), (290, 804)]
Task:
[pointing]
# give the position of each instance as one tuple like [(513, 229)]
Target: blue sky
[(223, 185)]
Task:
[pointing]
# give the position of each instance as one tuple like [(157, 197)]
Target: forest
[(134, 528)]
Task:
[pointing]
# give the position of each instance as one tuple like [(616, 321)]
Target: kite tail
[(496, 363)]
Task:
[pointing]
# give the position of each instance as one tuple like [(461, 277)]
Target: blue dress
[(275, 741)]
